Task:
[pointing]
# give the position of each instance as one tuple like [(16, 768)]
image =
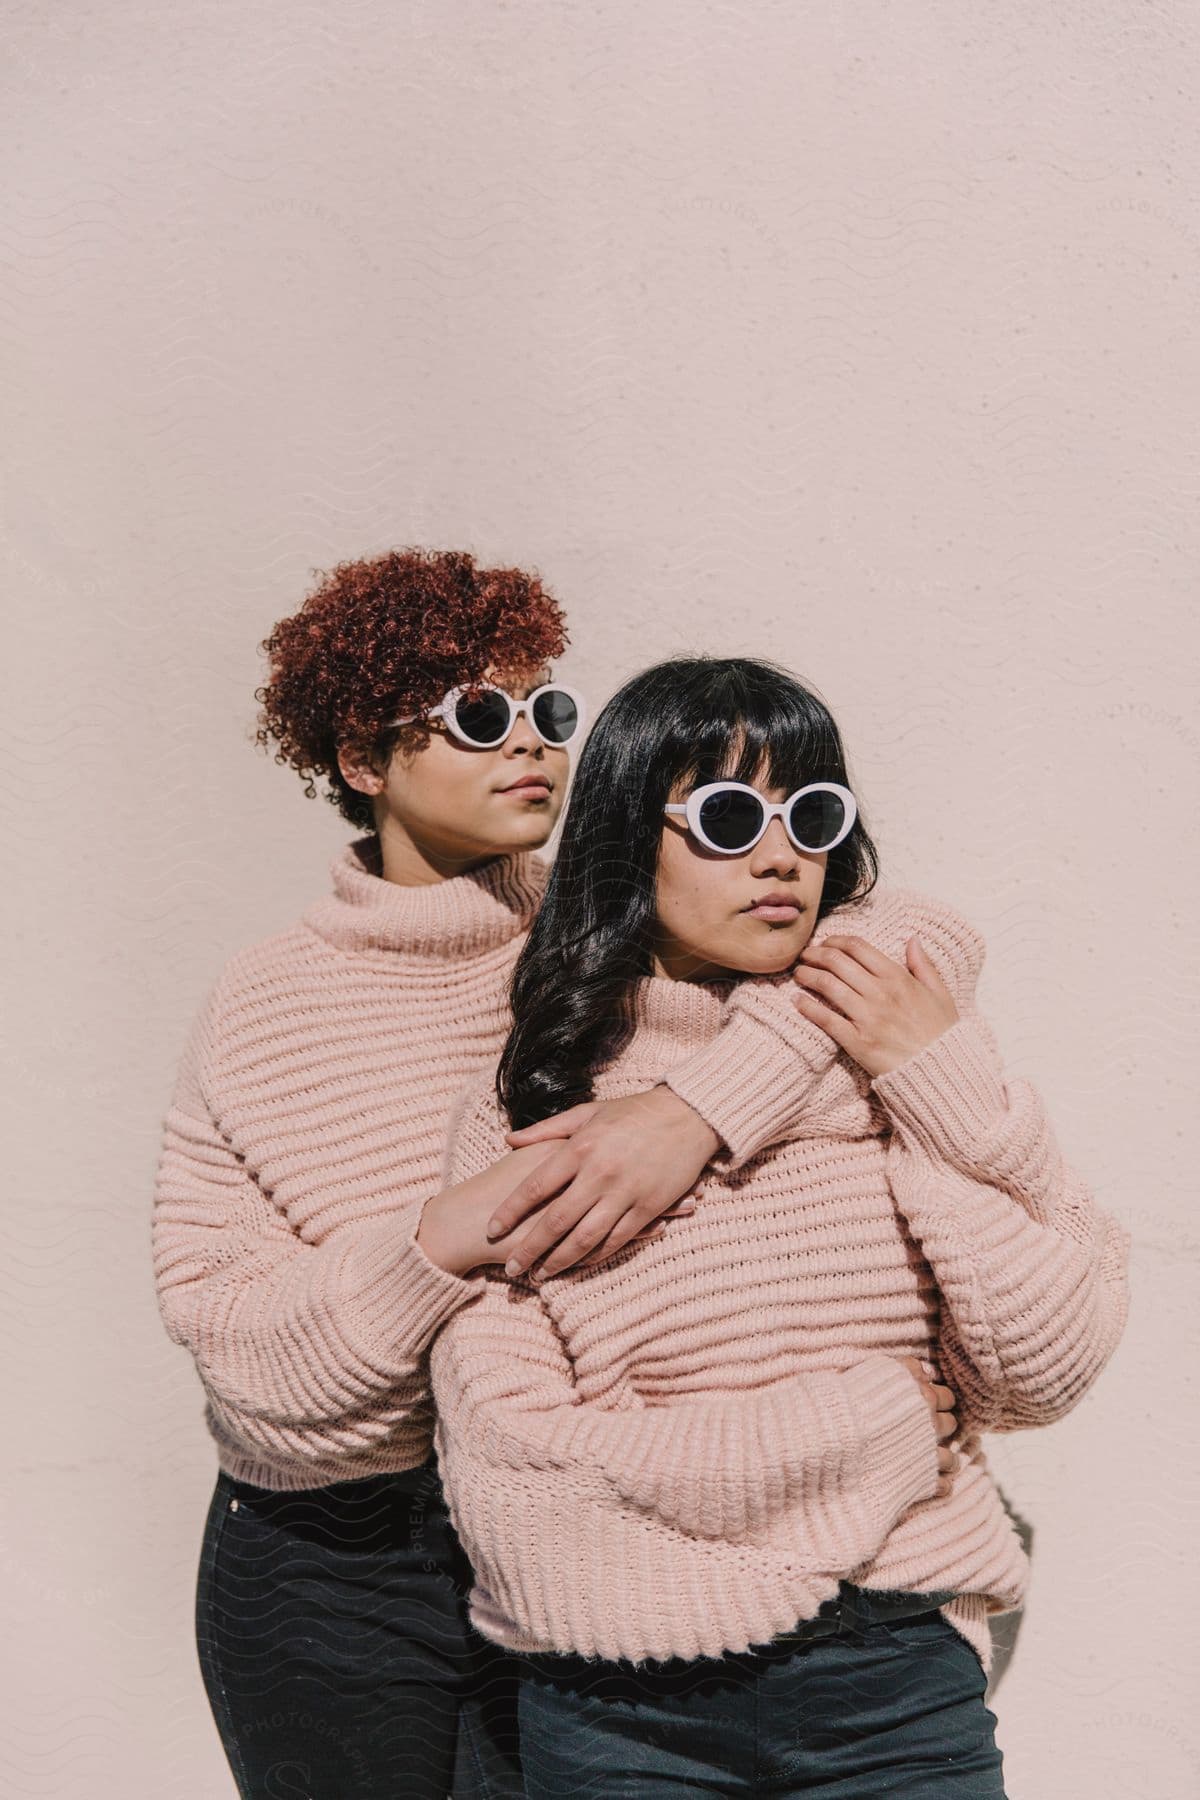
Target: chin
[(739, 961), (530, 831), (774, 965), (777, 951)]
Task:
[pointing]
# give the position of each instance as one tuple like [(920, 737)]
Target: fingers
[(599, 1227), (830, 1021), (606, 1228), (945, 1422), (551, 1174), (847, 949), (568, 1229), (943, 1405), (831, 968), (615, 1240), (938, 1395), (558, 1125), (949, 1463), (623, 1231)]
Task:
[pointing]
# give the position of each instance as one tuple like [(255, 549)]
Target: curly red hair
[(386, 635)]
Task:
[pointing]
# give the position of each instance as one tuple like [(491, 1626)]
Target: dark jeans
[(889, 1709), (336, 1650)]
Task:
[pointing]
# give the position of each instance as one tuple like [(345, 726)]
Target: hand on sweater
[(618, 1165), (891, 1011), (453, 1231), (942, 1404)]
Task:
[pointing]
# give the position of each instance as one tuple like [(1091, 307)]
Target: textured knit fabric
[(681, 1452), (305, 1133)]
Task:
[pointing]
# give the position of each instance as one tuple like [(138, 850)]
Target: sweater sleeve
[(754, 1079), (1032, 1271), (306, 1351), (844, 1453)]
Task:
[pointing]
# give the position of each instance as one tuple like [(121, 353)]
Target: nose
[(774, 853), (523, 739)]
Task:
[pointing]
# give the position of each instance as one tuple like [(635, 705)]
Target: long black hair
[(697, 719)]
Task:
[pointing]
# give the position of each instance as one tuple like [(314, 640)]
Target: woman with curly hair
[(305, 1249), (726, 1495)]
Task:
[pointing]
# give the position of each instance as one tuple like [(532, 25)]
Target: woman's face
[(457, 804), (707, 924)]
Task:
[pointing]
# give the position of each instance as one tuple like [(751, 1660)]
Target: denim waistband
[(857, 1609)]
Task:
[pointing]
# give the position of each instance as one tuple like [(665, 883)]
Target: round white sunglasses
[(731, 816), (555, 711)]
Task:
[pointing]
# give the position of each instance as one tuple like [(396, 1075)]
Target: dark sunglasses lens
[(556, 715), (816, 819), (730, 820), (484, 719)]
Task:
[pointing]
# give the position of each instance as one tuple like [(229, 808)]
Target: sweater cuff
[(752, 1081), (396, 1298), (899, 1436), (950, 1096)]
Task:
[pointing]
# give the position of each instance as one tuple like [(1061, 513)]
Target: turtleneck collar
[(670, 1018), (461, 916)]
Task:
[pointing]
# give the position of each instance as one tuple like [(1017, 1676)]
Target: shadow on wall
[(1006, 1627)]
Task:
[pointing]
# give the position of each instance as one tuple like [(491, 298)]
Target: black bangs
[(754, 723)]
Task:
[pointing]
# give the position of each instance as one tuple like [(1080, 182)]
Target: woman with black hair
[(725, 1492)]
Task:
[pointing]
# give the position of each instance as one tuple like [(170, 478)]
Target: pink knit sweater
[(304, 1135), (683, 1450)]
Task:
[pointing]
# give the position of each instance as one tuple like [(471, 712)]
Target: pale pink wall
[(865, 338)]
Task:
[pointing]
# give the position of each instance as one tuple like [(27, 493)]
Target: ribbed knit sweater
[(683, 1450), (307, 1129)]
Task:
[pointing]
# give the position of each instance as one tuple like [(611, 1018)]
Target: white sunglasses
[(731, 816), (555, 711)]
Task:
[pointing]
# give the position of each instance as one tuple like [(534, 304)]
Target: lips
[(774, 902), (539, 783)]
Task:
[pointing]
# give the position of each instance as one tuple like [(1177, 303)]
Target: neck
[(448, 918), (409, 864)]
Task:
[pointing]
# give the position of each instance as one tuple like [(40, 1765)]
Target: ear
[(357, 771)]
